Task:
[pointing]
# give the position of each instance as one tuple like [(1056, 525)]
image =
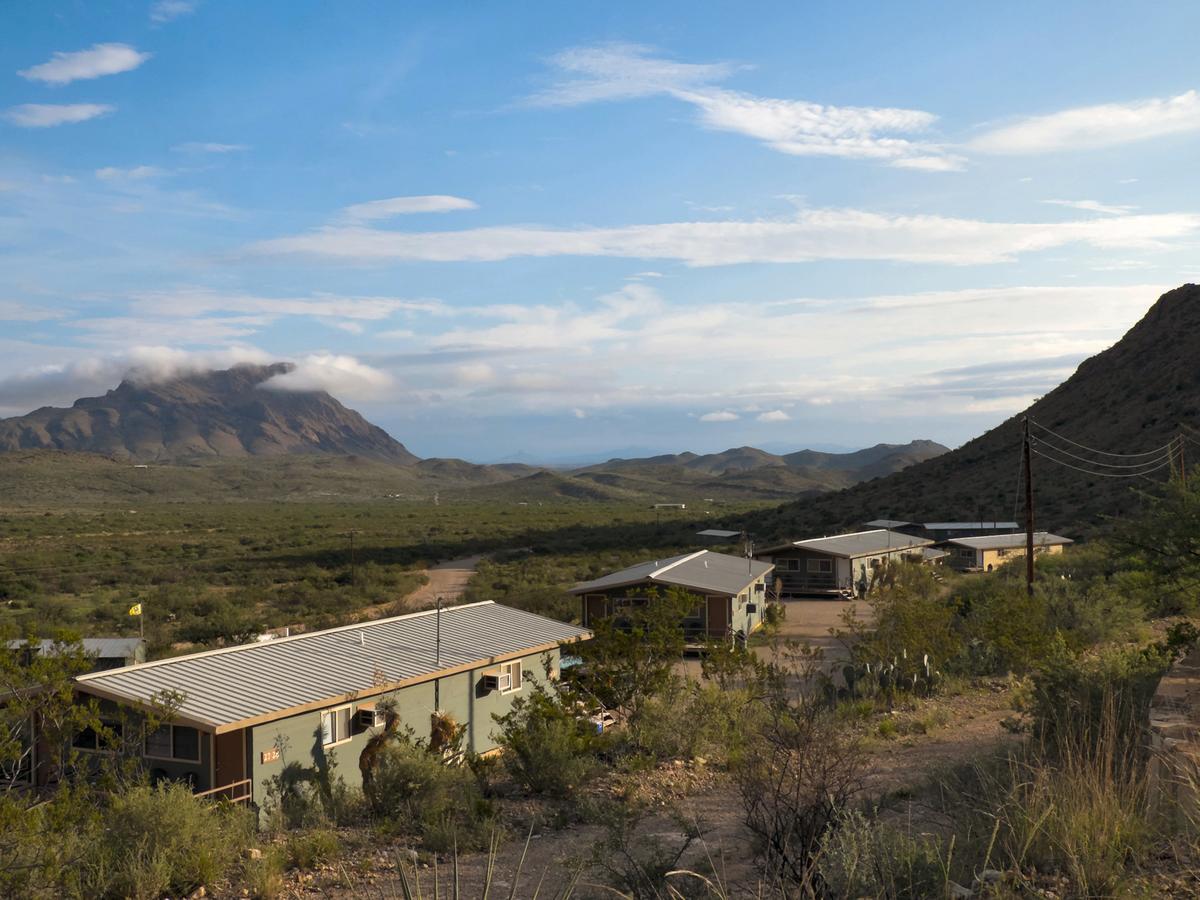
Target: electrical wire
[(1161, 465), (1101, 452), (1097, 462)]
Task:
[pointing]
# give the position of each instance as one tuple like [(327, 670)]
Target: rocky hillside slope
[(227, 413), (1131, 398)]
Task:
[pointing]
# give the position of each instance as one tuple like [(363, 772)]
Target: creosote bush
[(417, 791), (159, 840)]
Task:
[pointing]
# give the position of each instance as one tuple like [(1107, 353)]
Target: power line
[(1161, 465), (1102, 452), (1097, 462)]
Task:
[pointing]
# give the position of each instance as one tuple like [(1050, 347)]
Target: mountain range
[(211, 420)]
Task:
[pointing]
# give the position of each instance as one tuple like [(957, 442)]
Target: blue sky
[(558, 230)]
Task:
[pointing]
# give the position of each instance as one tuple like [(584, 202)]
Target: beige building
[(989, 552)]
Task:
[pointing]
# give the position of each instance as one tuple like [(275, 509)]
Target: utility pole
[(353, 559), (1028, 451)]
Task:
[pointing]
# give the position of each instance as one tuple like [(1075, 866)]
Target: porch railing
[(234, 792)]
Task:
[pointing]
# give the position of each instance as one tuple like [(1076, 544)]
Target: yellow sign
[(136, 609)]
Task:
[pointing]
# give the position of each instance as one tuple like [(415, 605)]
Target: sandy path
[(447, 580)]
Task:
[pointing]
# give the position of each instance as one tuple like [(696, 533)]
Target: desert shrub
[(1074, 697), (309, 849), (416, 790), (160, 840), (263, 877), (910, 619), (641, 866), (866, 858), (795, 778), (693, 720), (549, 745)]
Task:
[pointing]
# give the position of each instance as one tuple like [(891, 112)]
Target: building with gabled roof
[(839, 565), (240, 714), (730, 591), (988, 552)]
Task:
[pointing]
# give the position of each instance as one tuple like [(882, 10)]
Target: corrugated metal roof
[(965, 526), (703, 570), (107, 648), (718, 532), (889, 523), (858, 543), (1009, 541), (264, 681)]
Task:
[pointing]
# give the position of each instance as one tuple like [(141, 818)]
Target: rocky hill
[(878, 460), (1130, 398), (227, 413)]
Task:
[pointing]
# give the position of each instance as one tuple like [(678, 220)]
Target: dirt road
[(447, 580)]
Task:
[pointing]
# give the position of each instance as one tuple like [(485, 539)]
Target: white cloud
[(796, 127), (342, 376), (403, 206), (817, 234), (208, 147), (97, 61), (61, 384), (738, 359), (115, 330), (166, 10), (619, 71), (12, 311), (1094, 206), (578, 413), (48, 115), (1088, 127), (775, 415), (137, 173), (801, 128), (190, 302)]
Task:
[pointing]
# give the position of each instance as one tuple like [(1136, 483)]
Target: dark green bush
[(417, 791)]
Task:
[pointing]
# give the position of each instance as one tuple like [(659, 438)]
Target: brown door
[(230, 757), (718, 615)]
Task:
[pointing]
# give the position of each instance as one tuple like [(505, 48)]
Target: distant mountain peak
[(224, 413)]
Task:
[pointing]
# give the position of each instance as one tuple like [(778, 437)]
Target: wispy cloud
[(1086, 127), (136, 173), (208, 147), (774, 415), (48, 115), (403, 206), (796, 127), (167, 10), (810, 235), (13, 311), (1094, 206), (622, 71), (192, 302), (721, 415), (95, 62)]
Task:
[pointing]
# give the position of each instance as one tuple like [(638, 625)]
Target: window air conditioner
[(498, 682), (370, 718)]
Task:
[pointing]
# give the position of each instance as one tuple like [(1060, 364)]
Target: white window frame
[(823, 566), (515, 671), (348, 709), (173, 758)]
